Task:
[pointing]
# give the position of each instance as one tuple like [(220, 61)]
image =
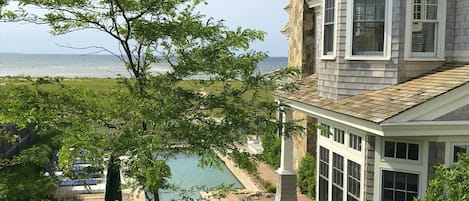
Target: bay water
[(99, 66)]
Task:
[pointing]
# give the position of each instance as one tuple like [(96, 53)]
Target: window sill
[(424, 59), (402, 161), (369, 58), (327, 58)]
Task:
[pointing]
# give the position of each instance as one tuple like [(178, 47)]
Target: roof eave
[(361, 124)]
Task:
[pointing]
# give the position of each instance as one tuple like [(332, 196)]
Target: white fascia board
[(426, 128), (435, 107), (313, 3), (346, 120)]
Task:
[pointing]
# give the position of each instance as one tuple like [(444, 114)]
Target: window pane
[(359, 142), (413, 152), (432, 12), (328, 39), (388, 195), (399, 196), (368, 37), (350, 198), (423, 37), (410, 196), (458, 149), (337, 194), (417, 12), (400, 181), (388, 179), (412, 182), (389, 148), (323, 189), (401, 150)]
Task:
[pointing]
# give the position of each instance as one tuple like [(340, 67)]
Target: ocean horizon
[(90, 65)]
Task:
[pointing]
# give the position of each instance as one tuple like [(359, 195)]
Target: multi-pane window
[(408, 151), (355, 142), (353, 181), (337, 177), (457, 149), (368, 27), (399, 186), (339, 135), (329, 23), (424, 26), (323, 174), (325, 130)]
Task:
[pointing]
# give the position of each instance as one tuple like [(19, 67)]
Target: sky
[(265, 15)]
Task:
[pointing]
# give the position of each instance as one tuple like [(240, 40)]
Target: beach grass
[(107, 84)]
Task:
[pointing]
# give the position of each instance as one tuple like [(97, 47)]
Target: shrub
[(244, 161), (271, 188), (271, 143), (306, 181)]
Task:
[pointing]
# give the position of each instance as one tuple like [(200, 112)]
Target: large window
[(368, 27), (353, 181), (323, 174), (424, 25), (425, 29), (457, 149), (400, 150), (329, 24), (337, 177), (399, 186)]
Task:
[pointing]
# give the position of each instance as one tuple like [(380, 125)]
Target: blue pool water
[(186, 174)]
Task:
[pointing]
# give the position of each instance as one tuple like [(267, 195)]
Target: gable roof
[(380, 105)]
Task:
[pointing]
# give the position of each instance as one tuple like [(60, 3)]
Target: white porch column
[(286, 175)]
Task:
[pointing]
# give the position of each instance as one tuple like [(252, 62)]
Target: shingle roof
[(377, 106)]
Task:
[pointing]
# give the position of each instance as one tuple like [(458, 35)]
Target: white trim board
[(427, 128), (435, 107), (343, 119), (313, 3)]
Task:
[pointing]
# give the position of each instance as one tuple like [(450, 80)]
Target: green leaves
[(450, 183)]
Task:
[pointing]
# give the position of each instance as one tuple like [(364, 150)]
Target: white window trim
[(451, 153), (440, 36), (408, 161), (421, 187), (336, 18), (387, 35)]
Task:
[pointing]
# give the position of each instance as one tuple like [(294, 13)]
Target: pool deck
[(241, 175)]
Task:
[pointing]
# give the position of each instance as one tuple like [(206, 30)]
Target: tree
[(39, 106), (450, 183), (155, 116)]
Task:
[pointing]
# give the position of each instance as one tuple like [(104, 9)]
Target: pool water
[(186, 175)]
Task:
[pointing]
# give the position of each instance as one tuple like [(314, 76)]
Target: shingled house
[(389, 80)]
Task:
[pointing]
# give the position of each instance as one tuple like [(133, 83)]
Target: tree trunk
[(113, 180), (156, 195)]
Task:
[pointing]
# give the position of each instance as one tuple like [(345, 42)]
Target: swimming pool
[(186, 174)]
